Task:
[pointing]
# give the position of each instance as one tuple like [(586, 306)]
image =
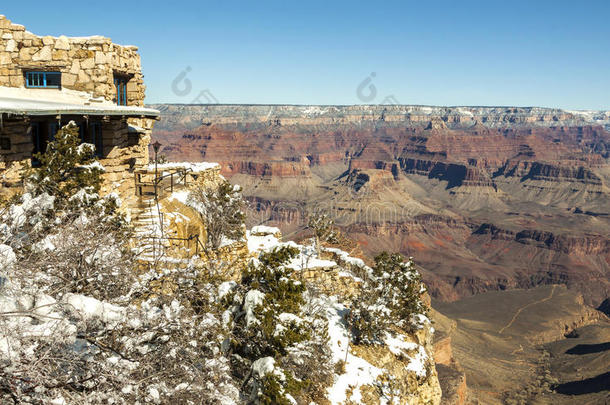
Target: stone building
[(46, 82)]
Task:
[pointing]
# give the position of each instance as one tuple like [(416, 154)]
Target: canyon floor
[(506, 211), (537, 346)]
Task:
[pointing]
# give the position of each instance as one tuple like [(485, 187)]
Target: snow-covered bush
[(390, 298), (323, 228), (166, 349), (221, 212), (269, 319), (67, 237)]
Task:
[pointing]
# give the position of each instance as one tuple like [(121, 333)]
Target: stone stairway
[(150, 230)]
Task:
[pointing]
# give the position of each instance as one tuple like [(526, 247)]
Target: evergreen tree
[(77, 238), (66, 167), (274, 325), (390, 296)]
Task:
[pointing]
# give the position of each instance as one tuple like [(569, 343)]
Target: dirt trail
[(524, 307)]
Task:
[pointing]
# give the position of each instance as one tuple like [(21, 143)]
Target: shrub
[(66, 167), (271, 318), (390, 297), (221, 211)]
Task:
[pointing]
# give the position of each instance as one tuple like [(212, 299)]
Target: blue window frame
[(45, 80), (120, 82)]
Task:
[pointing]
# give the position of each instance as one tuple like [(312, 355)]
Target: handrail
[(180, 172), (191, 237)]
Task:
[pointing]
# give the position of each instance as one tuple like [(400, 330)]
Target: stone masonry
[(88, 67), (87, 63)]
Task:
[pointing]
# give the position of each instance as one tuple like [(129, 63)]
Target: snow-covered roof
[(23, 101)]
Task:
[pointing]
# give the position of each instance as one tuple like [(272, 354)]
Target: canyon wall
[(485, 198)]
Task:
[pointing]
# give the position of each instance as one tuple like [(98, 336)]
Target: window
[(53, 128), (95, 134), (5, 143), (42, 132), (120, 82), (36, 140), (47, 80)]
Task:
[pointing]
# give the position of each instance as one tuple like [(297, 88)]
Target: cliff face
[(485, 198)]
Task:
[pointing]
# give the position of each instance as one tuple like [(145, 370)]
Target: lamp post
[(156, 147)]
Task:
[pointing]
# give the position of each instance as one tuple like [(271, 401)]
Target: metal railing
[(198, 244), (160, 184)]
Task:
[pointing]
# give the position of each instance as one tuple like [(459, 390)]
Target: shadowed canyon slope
[(485, 198)]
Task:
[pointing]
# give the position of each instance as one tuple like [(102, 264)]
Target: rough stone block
[(16, 81), (5, 58), (25, 54), (75, 68), (62, 43), (68, 79), (60, 55), (43, 55), (83, 77), (11, 45), (48, 40), (88, 63)]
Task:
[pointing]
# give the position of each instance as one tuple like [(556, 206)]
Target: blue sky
[(523, 53)]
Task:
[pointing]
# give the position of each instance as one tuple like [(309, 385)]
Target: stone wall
[(122, 154), (86, 63)]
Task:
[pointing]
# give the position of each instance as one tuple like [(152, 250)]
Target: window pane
[(121, 89), (53, 130), (53, 79)]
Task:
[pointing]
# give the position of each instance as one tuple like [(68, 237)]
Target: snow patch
[(92, 309), (262, 230), (195, 167), (253, 299)]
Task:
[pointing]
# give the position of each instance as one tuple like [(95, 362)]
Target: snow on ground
[(261, 242), (358, 372), (180, 196), (91, 308), (306, 258), (344, 256), (262, 230), (399, 347)]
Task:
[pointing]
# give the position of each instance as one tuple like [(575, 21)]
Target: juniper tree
[(66, 167), (270, 319), (73, 235), (390, 296)]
